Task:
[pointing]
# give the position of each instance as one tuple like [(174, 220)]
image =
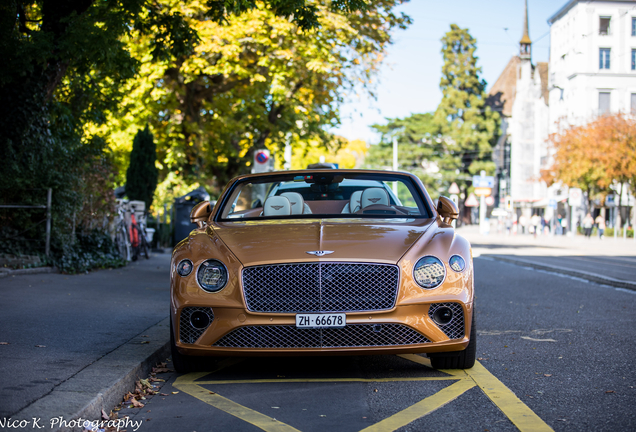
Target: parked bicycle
[(122, 237), (139, 237)]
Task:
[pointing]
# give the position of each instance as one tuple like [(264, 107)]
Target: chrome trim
[(318, 308)]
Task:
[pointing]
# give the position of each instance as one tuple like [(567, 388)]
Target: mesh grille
[(455, 328), (289, 336), (187, 333), (320, 287)]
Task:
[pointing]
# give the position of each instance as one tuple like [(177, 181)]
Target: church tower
[(525, 44)]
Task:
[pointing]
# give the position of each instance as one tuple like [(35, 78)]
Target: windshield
[(324, 195)]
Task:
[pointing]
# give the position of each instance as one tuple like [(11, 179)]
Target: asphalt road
[(56, 325), (563, 346)]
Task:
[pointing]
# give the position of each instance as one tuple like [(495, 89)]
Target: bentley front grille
[(289, 336), (188, 333), (320, 287), (454, 329)]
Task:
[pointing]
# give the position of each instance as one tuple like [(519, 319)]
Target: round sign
[(490, 200), (262, 157)]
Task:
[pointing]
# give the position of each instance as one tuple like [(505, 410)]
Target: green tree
[(255, 82), (420, 147), (65, 65), (141, 176), (469, 126)]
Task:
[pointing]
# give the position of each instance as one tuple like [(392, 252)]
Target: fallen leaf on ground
[(162, 370), (105, 416), (610, 391), (4, 343), (145, 342), (163, 394), (547, 375), (41, 346), (175, 392)]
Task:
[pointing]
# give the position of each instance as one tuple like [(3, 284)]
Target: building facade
[(592, 60)]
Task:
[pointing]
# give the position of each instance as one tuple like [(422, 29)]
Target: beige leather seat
[(354, 203), (298, 204), (277, 206), (373, 196)]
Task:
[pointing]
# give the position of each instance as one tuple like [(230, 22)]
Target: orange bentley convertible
[(323, 262)]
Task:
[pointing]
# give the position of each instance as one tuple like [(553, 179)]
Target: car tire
[(182, 363), (464, 359)]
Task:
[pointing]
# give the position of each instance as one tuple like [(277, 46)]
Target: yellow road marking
[(518, 412), (323, 380), (422, 408), (224, 404)]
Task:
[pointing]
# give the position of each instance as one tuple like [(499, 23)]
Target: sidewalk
[(609, 261), (73, 344)]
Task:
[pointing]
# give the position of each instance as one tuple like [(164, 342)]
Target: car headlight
[(212, 275), (457, 263), (429, 272), (184, 267)]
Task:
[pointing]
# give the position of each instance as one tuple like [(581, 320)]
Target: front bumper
[(405, 329)]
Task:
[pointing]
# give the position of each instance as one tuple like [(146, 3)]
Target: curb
[(102, 384), (593, 277), (34, 270)]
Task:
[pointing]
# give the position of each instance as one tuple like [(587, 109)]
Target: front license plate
[(321, 320)]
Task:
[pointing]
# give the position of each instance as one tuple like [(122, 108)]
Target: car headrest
[(296, 200), (372, 196), (354, 201), (276, 206)]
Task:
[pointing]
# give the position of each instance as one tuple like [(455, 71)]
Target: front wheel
[(457, 359)]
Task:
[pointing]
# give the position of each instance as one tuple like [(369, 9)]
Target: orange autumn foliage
[(595, 155)]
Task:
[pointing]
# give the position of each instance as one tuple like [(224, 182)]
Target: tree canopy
[(596, 156), (469, 125)]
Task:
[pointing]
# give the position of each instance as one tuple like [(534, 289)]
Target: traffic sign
[(575, 196), (263, 162), (471, 201), (453, 189), (483, 191), (490, 200), (552, 203), (483, 182)]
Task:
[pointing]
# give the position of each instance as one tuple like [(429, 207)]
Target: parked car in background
[(321, 262)]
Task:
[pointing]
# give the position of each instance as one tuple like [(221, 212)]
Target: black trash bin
[(182, 208)]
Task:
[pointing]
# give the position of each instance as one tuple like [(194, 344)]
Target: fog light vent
[(449, 317), (193, 322)]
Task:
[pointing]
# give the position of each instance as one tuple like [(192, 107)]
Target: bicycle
[(122, 242), (138, 237)]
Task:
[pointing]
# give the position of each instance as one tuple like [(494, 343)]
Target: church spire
[(525, 44)]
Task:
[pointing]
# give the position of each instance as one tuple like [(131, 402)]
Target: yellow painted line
[(518, 412), (422, 408), (324, 380), (224, 404)]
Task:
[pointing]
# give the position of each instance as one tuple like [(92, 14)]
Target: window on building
[(633, 107), (604, 58), (634, 59), (633, 26), (603, 102), (604, 26)]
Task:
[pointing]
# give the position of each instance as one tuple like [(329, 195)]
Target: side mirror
[(447, 209), (201, 213)]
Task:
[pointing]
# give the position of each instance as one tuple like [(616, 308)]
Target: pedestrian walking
[(536, 220), (600, 225), (588, 223)]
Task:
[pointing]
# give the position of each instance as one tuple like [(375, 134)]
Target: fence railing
[(49, 197)]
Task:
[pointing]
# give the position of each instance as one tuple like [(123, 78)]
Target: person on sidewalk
[(600, 225), (588, 223)]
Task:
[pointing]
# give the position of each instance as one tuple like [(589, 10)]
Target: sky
[(408, 81)]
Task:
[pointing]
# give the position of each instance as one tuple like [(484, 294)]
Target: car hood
[(274, 241)]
